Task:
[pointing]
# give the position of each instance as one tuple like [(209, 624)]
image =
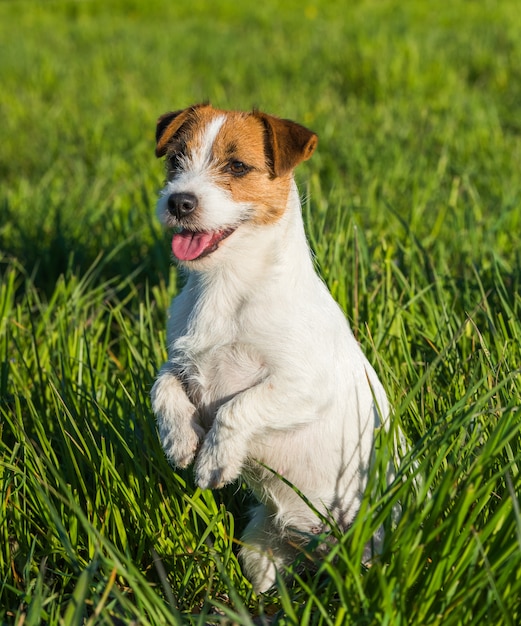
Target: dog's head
[(225, 169)]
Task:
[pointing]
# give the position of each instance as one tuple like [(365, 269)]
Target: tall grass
[(412, 206)]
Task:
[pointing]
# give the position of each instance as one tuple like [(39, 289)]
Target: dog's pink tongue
[(187, 245)]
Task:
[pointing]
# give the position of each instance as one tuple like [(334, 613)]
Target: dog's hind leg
[(264, 551)]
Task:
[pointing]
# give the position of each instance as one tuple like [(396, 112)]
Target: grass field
[(413, 208)]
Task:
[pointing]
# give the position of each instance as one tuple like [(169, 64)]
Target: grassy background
[(413, 210)]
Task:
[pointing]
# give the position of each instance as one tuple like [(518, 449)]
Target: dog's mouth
[(189, 245)]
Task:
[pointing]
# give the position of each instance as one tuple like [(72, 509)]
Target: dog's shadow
[(53, 248)]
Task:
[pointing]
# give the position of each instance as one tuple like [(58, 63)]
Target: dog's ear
[(287, 143), (168, 125)]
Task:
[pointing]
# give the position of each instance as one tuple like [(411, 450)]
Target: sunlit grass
[(411, 204)]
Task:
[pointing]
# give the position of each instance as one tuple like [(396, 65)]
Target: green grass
[(413, 208)]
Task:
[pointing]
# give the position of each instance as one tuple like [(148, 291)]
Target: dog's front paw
[(179, 443), (179, 432), (218, 462)]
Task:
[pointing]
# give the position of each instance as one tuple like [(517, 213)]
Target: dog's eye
[(238, 168)]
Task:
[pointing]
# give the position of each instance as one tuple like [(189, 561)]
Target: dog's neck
[(276, 256)]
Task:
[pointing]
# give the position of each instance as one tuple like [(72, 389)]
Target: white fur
[(263, 367)]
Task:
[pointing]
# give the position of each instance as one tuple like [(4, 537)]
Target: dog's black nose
[(182, 204)]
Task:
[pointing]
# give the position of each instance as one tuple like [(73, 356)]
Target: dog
[(264, 377)]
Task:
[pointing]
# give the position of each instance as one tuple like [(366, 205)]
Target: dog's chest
[(216, 373), (219, 350), (228, 368)]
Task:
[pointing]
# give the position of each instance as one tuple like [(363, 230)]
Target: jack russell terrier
[(264, 377)]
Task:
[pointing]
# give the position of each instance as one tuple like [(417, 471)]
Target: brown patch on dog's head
[(241, 144), (269, 148), (170, 123)]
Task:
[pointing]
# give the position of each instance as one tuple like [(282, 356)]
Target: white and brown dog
[(263, 370)]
